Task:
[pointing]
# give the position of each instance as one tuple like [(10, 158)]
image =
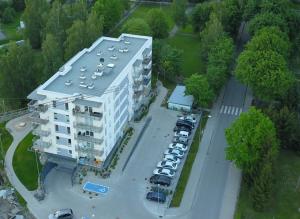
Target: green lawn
[(6, 139), (286, 197), (10, 30), (190, 46), (24, 163), (186, 170)]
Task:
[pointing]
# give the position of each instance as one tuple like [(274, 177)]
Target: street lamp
[(37, 167)]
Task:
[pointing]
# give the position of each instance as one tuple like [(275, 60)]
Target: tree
[(158, 23), (280, 7), (270, 38), (34, 20), (262, 187), (8, 15), (287, 126), (251, 139), (250, 9), (52, 56), (211, 33), (136, 26), (17, 73), (219, 60), (231, 16), (171, 62), (178, 11), (198, 86), (200, 15), (57, 22), (77, 10), (76, 39), (18, 5), (267, 20), (266, 72), (94, 27)]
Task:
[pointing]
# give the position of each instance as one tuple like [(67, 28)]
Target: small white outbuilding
[(179, 100)]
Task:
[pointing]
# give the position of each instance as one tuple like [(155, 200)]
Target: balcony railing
[(39, 132), (39, 144), (90, 150), (94, 115), (147, 60), (34, 107), (147, 72), (146, 81), (85, 126), (88, 138), (35, 118), (138, 87)]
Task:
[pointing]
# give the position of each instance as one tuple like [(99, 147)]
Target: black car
[(187, 122), (161, 180), (182, 128), (181, 123), (156, 196)]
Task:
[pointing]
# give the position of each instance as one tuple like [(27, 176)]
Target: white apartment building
[(81, 112)]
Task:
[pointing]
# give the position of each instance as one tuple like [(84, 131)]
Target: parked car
[(172, 158), (164, 172), (159, 197), (182, 123), (181, 133), (187, 122), (62, 214), (182, 128), (167, 164), (190, 118), (181, 140), (178, 146), (175, 152), (161, 180)]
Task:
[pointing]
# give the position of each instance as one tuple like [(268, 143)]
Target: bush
[(8, 15)]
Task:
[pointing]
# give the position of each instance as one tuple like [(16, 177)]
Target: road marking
[(225, 109), (237, 111), (221, 110), (229, 108), (241, 110), (232, 111)]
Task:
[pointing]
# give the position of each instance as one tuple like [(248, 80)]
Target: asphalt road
[(210, 189)]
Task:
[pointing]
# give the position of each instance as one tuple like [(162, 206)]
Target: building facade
[(81, 112)]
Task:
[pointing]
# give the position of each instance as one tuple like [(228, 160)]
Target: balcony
[(35, 118), (137, 95), (40, 145), (146, 81), (39, 132), (138, 78), (89, 150), (82, 137), (147, 73), (94, 115), (138, 87), (147, 60), (85, 126), (33, 107)]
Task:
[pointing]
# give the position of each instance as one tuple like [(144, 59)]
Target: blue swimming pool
[(96, 188)]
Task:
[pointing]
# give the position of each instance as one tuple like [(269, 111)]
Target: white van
[(182, 134)]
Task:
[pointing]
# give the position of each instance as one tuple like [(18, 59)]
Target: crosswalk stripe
[(221, 110), (236, 111), (232, 110), (225, 110), (229, 108), (241, 110)]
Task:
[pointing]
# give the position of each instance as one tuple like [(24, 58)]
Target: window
[(57, 137), (70, 151), (66, 106), (54, 104), (55, 116), (56, 128), (69, 141), (69, 130)]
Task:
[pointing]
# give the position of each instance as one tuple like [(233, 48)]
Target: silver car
[(62, 214)]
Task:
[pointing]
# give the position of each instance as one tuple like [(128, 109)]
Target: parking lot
[(128, 189)]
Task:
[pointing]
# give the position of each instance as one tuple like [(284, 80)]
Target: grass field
[(190, 46), (6, 139), (187, 168), (10, 30), (285, 201), (24, 163)]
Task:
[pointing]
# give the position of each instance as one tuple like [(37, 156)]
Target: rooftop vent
[(83, 68), (91, 86), (61, 69), (122, 38), (68, 82), (98, 72), (99, 53), (114, 57), (100, 65), (94, 76), (121, 50), (82, 84), (82, 76), (112, 48), (127, 42), (110, 65), (101, 60), (125, 49)]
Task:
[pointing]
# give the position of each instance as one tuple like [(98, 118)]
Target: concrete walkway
[(18, 134)]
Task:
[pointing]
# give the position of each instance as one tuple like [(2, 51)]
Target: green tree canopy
[(94, 27), (280, 7), (178, 11), (251, 138), (171, 62), (52, 56), (270, 38), (266, 72), (219, 60), (198, 86), (266, 20), (158, 23), (200, 15), (34, 17), (136, 26), (18, 75), (250, 9), (18, 5), (8, 15)]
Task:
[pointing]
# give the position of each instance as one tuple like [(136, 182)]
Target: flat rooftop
[(92, 70)]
